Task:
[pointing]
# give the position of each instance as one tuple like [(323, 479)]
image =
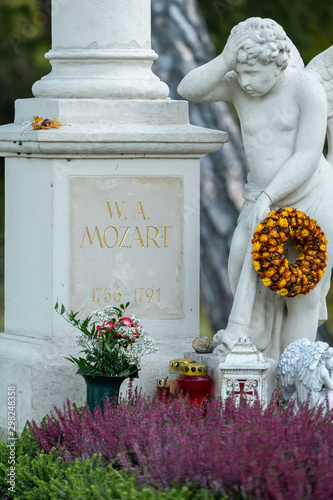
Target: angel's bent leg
[(302, 318), (304, 311), (243, 283), (240, 241)]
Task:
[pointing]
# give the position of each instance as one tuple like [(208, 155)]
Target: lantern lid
[(175, 364), (194, 369), (244, 356), (163, 382)]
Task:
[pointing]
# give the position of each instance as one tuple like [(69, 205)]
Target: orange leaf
[(40, 123), (54, 123)]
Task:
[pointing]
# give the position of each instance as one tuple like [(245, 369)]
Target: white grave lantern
[(243, 373), (102, 210)]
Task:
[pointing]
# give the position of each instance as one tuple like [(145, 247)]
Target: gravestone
[(102, 210)]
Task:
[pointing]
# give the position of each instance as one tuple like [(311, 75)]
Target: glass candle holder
[(194, 383), (174, 372), (163, 389)]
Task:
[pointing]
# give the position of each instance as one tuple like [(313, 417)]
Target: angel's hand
[(327, 379), (234, 43), (260, 210)]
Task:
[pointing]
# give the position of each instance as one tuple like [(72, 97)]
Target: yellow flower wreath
[(269, 261)]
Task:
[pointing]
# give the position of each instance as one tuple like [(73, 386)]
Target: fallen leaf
[(40, 123)]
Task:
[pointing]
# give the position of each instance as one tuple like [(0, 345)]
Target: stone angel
[(305, 372), (284, 110)]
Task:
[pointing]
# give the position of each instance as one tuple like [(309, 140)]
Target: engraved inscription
[(126, 237), (135, 295)]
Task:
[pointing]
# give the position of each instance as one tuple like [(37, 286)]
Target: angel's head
[(262, 56), (267, 42), (327, 359)]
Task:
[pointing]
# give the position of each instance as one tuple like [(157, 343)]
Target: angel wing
[(295, 60), (308, 372), (286, 370), (322, 68)]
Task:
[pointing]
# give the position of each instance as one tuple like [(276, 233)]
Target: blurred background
[(185, 34)]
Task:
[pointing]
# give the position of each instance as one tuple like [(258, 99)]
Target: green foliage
[(45, 477), (307, 22), (24, 28), (25, 445)]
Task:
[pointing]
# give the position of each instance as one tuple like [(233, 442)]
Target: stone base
[(43, 378)]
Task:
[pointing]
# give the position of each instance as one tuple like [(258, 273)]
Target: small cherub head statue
[(327, 359), (304, 372), (267, 42)]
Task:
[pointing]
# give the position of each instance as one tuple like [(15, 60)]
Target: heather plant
[(244, 452)]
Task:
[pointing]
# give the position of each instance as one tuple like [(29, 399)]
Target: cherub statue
[(283, 113), (305, 371)]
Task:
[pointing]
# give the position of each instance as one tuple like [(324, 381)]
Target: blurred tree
[(24, 39), (307, 22)]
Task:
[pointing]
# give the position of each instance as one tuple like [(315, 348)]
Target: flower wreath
[(270, 262)]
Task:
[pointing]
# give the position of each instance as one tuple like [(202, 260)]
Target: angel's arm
[(214, 81), (327, 382)]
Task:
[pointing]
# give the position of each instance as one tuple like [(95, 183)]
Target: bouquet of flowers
[(114, 347)]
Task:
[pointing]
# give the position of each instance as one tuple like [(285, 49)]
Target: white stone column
[(101, 51), (122, 141)]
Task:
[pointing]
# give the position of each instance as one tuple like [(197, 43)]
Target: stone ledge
[(107, 140), (113, 112)]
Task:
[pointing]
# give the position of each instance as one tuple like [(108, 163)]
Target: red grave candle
[(163, 389), (194, 383)]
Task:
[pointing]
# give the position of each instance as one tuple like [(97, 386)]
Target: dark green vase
[(101, 386)]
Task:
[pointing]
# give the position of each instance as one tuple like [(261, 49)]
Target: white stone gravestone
[(102, 210)]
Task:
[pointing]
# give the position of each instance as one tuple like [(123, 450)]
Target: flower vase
[(100, 387)]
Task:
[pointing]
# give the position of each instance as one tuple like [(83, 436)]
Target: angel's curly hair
[(267, 42), (326, 355)]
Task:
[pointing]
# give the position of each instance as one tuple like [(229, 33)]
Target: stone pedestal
[(103, 210)]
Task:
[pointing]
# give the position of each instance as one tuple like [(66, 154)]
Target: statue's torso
[(269, 126)]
